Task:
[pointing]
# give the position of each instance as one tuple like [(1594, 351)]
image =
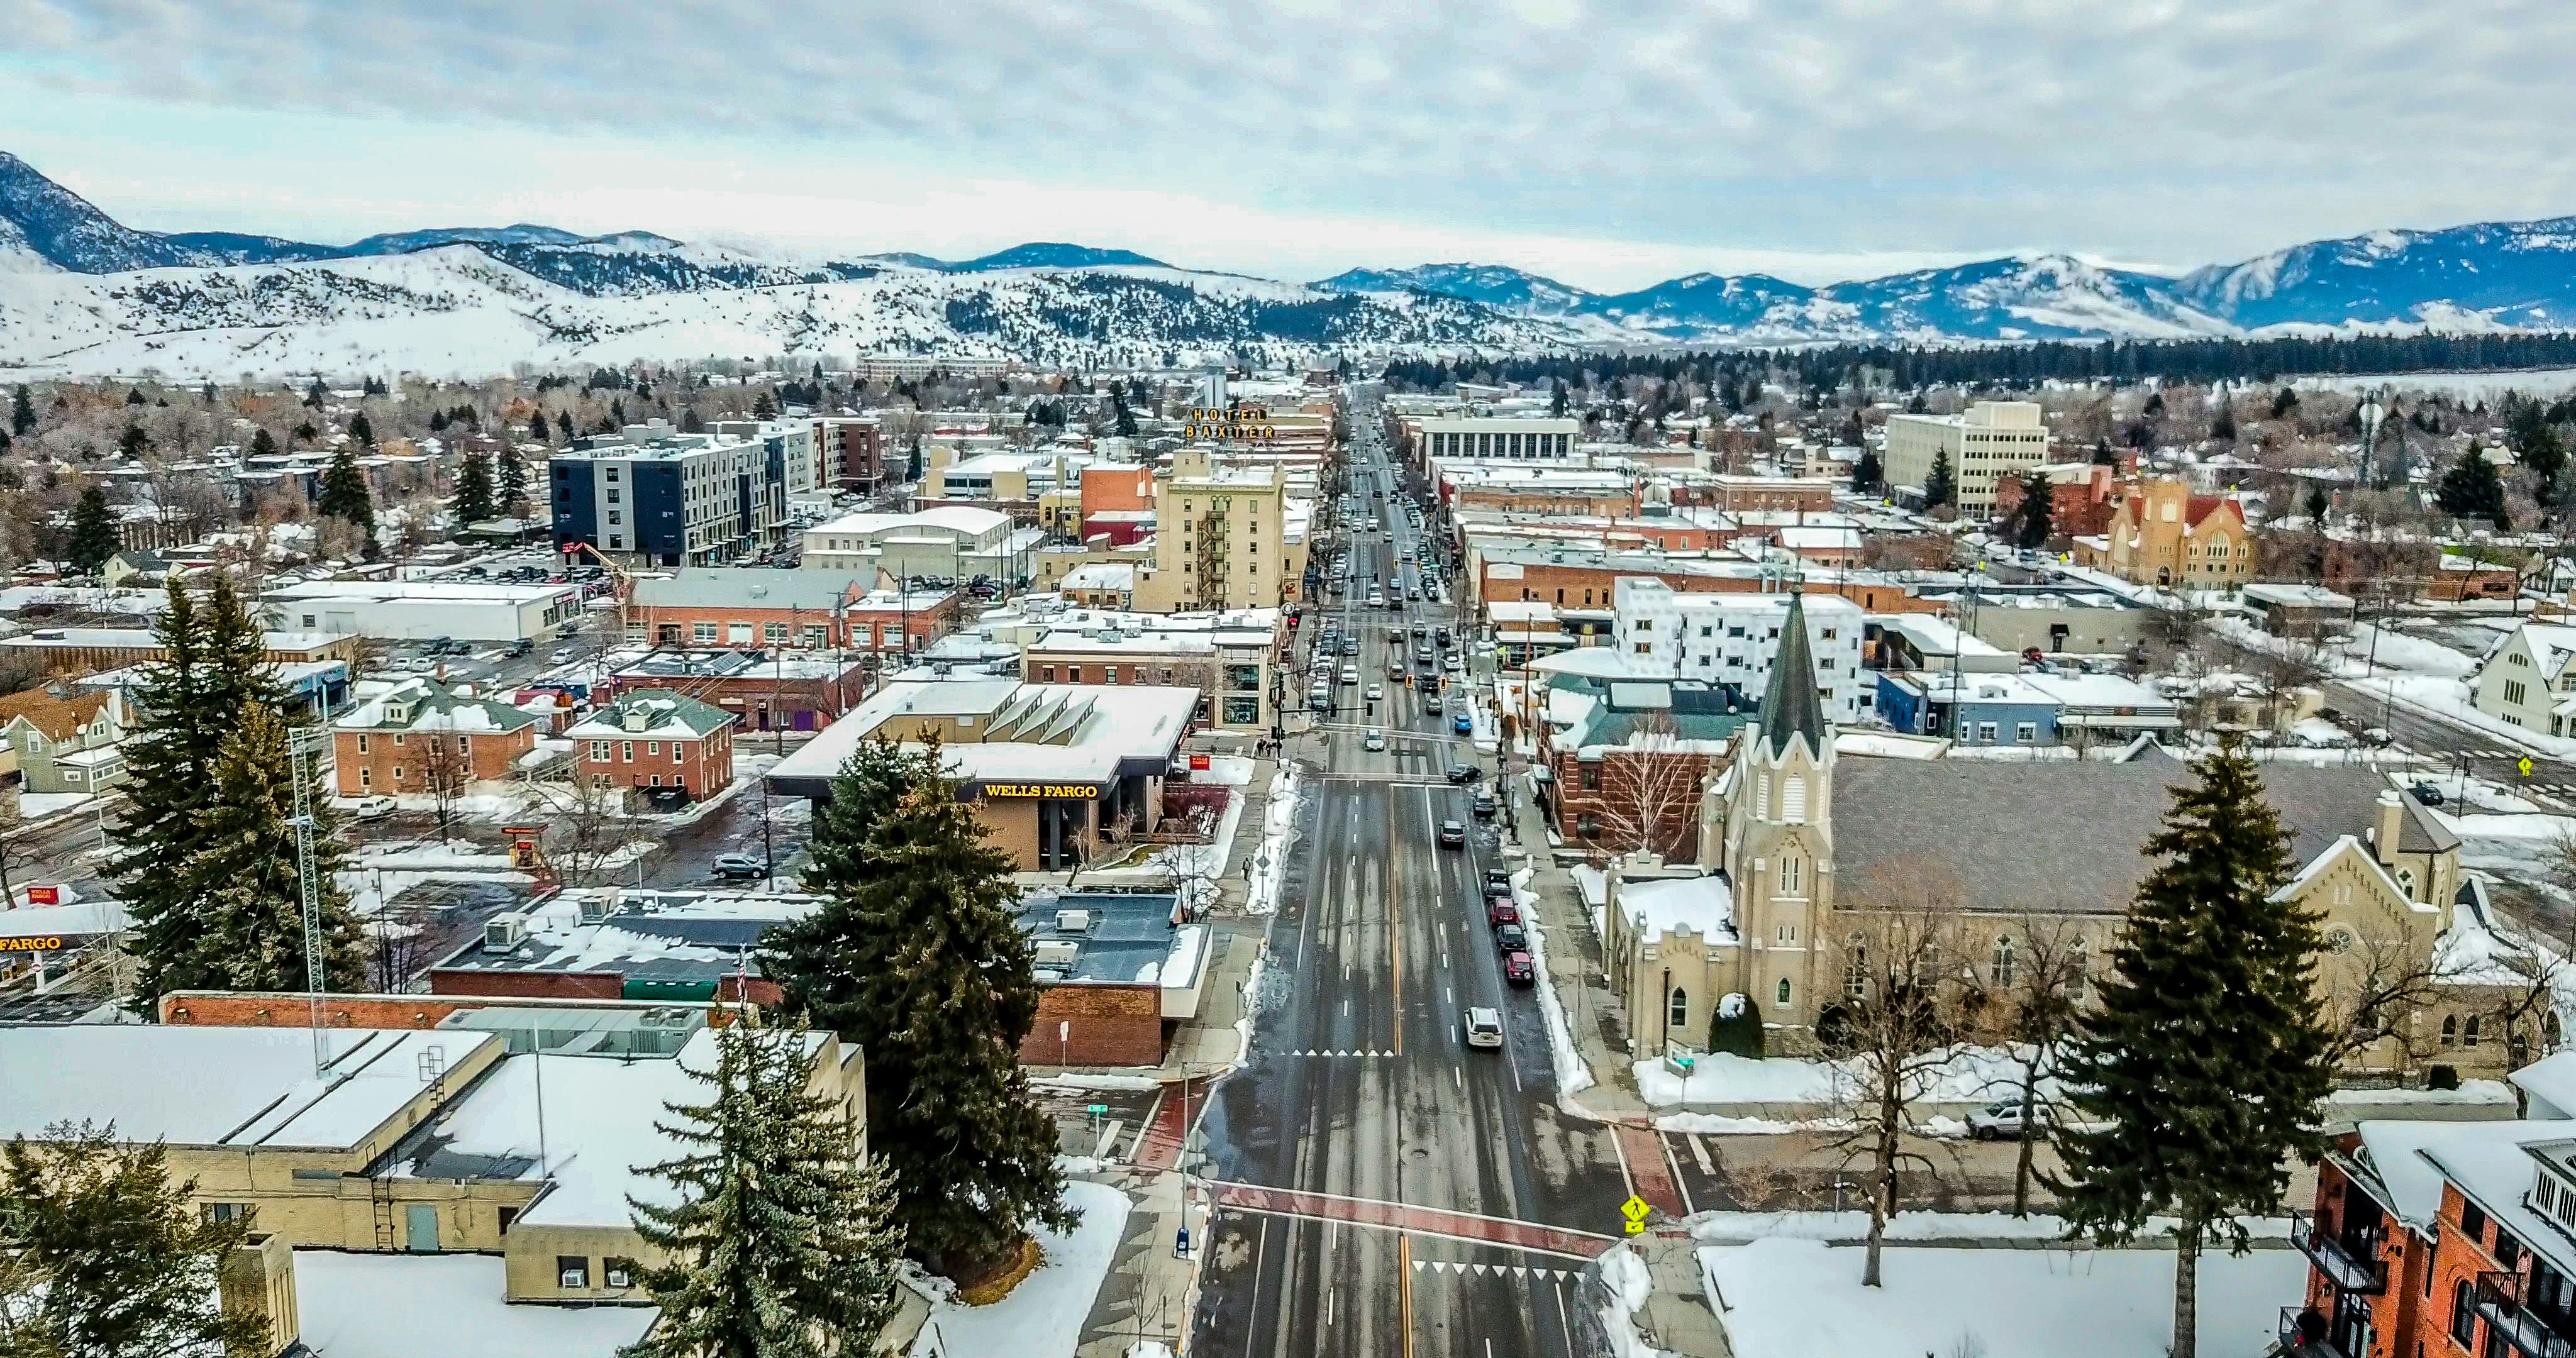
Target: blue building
[(656, 497), (1972, 709)]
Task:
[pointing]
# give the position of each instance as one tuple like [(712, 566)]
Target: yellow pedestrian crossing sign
[(1634, 1209), (2523, 766)]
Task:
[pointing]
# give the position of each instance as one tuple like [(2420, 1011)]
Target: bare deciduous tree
[(446, 768), (1901, 1019), (580, 816), (1650, 790), (2035, 978)]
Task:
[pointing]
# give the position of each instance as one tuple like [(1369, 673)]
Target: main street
[(1363, 1143)]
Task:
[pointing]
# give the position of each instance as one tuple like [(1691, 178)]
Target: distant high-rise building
[(1993, 440)]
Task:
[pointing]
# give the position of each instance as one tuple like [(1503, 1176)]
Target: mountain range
[(81, 292)]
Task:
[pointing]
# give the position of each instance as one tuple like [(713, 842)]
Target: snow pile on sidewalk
[(1572, 1075), (1630, 1285), (1974, 1075), (1739, 1228), (382, 873), (1278, 832), (36, 806), (1043, 1316), (1786, 1298)]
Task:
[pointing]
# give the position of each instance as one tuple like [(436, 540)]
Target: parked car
[(1374, 740), (1462, 724), (2427, 794), (1519, 969), (1484, 1027), (1465, 773), (371, 808), (732, 866), (2002, 1121), (2376, 736), (1498, 881), (520, 647), (1482, 805), (1500, 912), (568, 631), (1511, 938), (1452, 835)]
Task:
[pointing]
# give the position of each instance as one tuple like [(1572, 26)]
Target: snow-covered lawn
[(1976, 1075), (39, 805), (2516, 846), (1785, 1298), (415, 1305), (1042, 1318)]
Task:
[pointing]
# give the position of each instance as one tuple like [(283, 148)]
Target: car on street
[(1519, 969), (520, 647), (2376, 736), (1431, 703), (1320, 697), (2427, 794), (1484, 1027), (2001, 1121), (1465, 773), (731, 866), (1482, 804), (371, 808), (1376, 691), (1350, 646), (1463, 724), (1511, 938), (1374, 740), (1498, 882), (1377, 598), (562, 655), (1499, 913), (1350, 674), (1452, 835)]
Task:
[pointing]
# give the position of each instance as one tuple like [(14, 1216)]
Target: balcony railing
[(2295, 1342), (2352, 1266), (2499, 1303)]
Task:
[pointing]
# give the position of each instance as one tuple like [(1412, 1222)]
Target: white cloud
[(1593, 142)]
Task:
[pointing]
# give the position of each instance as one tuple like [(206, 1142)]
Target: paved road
[(2452, 747), (1363, 1144)]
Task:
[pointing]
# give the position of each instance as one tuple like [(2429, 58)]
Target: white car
[(1350, 674), (1376, 691), (1484, 1027), (1374, 740), (2001, 1121), (370, 808)]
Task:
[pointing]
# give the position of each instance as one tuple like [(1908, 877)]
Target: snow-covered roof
[(381, 1305), (418, 704), (664, 715), (2550, 1080), (209, 1086), (1109, 725), (1662, 905)]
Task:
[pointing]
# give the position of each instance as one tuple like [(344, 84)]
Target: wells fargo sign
[(1083, 790), (31, 942)]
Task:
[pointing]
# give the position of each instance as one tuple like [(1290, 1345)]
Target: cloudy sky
[(1607, 145)]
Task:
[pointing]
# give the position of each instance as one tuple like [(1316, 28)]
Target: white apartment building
[(1508, 439), (1732, 638), (1993, 440)]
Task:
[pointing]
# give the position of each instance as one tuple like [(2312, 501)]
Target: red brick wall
[(1108, 488), (488, 757), (560, 985), (2397, 1315), (211, 1009), (1542, 582), (701, 766), (1628, 780), (1113, 1025)]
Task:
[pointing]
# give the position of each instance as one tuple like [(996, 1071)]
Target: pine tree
[(109, 1258), (2034, 520), (244, 882), (214, 661), (473, 502), (134, 442), (2544, 455), (778, 1239), (1867, 472), (94, 538), (2318, 506), (2285, 403), (563, 425), (691, 422), (1941, 484), (2198, 1075), (360, 430), (514, 483), (2471, 489), (915, 956), (345, 495), (263, 443), (22, 413), (763, 407)]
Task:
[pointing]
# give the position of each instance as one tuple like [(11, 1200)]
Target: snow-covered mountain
[(1495, 285), (2517, 274)]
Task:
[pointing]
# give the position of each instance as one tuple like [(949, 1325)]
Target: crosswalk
[(1522, 1271), (1353, 1052)]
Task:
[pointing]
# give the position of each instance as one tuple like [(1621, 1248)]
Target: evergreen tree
[(134, 396), (306, 433), (22, 412), (1867, 472), (2544, 455), (108, 1257), (1941, 484), (691, 422), (1556, 398), (473, 503), (2034, 519), (2103, 456), (214, 661), (244, 882), (779, 1240), (317, 393), (2318, 506), (94, 538), (133, 443), (514, 483), (763, 406), (344, 495), (915, 956), (263, 443), (361, 431), (536, 428), (2223, 425), (5, 441), (563, 425), (2471, 489), (2198, 1075)]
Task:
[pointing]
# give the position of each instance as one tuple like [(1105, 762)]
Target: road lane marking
[(1699, 1152), (1108, 1139), (1676, 1167), (1528, 1237)]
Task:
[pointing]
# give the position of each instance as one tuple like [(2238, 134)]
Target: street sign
[(1635, 1209), (2524, 765), (44, 895), (1098, 1108)]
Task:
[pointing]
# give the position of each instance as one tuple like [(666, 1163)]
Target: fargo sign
[(34, 942), (1084, 790)]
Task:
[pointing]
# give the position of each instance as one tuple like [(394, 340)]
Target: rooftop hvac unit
[(1073, 921), (1057, 953), (666, 1017), (503, 932), (596, 909)]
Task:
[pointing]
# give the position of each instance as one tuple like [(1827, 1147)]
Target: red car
[(1499, 913), (1519, 970)]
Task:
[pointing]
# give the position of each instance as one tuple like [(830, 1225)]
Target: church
[(1801, 843)]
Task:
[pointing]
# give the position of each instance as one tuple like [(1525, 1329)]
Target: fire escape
[(1209, 584)]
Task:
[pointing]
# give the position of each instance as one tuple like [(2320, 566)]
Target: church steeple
[(1791, 709)]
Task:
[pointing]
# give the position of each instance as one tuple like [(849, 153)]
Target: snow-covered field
[(1042, 1318), (1977, 1075), (1788, 1298)]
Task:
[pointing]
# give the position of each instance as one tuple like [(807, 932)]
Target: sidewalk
[(1594, 1019), (1678, 1317)]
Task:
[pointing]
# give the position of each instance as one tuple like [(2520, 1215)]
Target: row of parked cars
[(1484, 1025)]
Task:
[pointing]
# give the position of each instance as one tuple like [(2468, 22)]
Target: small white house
[(2530, 681)]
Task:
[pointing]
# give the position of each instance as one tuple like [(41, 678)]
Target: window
[(675, 752), (1985, 733), (737, 632), (2473, 1222), (652, 747), (398, 738), (599, 752), (221, 1212), (774, 633), (1792, 876), (572, 1270), (1677, 1013), (705, 631), (366, 776), (626, 752), (1999, 967), (2025, 733), (1591, 777), (616, 1272), (397, 773), (2469, 1032), (1781, 996), (1856, 969), (1793, 799), (2450, 1030), (2464, 1320)]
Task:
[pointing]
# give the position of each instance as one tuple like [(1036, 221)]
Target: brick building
[(1801, 494), (785, 691), (851, 451), (654, 737), (419, 736), (1627, 776), (796, 610)]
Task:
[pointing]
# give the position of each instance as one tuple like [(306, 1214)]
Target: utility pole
[(309, 888)]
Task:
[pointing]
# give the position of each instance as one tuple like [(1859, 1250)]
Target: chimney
[(2392, 810)]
